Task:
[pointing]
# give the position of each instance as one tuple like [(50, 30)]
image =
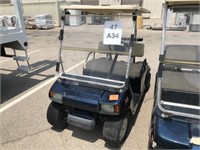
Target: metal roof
[(182, 2), (107, 9)]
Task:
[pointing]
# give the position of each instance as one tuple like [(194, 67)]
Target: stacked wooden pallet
[(30, 23)]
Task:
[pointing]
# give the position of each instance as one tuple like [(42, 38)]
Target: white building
[(155, 6), (35, 7)]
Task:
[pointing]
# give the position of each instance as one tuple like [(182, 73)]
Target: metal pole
[(59, 59), (164, 16), (19, 14), (133, 36)]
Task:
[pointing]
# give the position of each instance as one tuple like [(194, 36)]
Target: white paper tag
[(112, 33)]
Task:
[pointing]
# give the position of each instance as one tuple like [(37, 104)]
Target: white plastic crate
[(44, 21)]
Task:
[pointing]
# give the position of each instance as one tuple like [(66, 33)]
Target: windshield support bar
[(164, 25), (94, 81), (131, 43), (180, 105), (112, 66)]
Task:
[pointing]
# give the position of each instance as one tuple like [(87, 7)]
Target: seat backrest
[(138, 48), (183, 52)]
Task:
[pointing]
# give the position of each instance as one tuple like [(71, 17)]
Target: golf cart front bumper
[(81, 122)]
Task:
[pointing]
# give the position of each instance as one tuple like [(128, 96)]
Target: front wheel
[(56, 115), (115, 132)]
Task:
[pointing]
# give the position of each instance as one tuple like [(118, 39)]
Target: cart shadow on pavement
[(90, 136), (16, 82)]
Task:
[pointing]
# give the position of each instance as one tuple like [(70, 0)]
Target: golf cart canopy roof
[(107, 9), (183, 5), (182, 2)]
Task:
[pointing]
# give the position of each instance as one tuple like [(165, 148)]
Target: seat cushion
[(181, 81), (183, 52), (103, 66), (138, 48)]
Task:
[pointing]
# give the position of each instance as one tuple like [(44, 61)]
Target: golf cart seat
[(181, 87), (101, 67), (181, 81), (138, 48), (182, 53)]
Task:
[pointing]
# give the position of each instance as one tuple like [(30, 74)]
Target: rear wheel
[(115, 132), (57, 116), (148, 82)]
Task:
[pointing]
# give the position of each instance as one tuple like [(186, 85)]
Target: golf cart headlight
[(55, 95), (107, 108), (110, 108)]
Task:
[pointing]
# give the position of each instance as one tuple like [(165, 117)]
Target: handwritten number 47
[(113, 26)]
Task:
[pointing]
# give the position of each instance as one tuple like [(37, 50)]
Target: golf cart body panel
[(111, 85), (175, 133), (82, 97), (176, 114)]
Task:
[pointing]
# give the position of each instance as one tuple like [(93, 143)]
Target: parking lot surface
[(24, 97)]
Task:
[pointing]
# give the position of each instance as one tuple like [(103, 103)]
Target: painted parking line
[(22, 55), (36, 89)]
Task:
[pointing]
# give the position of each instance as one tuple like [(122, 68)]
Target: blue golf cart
[(111, 85), (175, 122)]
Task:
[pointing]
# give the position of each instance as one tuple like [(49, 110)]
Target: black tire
[(56, 115), (3, 52), (148, 82), (112, 131)]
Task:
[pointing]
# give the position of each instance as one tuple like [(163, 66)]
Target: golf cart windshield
[(100, 52), (179, 71)]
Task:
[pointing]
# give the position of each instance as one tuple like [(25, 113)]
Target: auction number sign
[(112, 33)]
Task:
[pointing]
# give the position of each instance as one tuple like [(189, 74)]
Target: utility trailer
[(15, 38), (108, 90), (175, 122)]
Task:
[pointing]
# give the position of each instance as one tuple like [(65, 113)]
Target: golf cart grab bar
[(180, 105), (171, 61), (159, 103), (93, 80)]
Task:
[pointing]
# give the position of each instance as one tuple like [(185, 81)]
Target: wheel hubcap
[(123, 129)]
